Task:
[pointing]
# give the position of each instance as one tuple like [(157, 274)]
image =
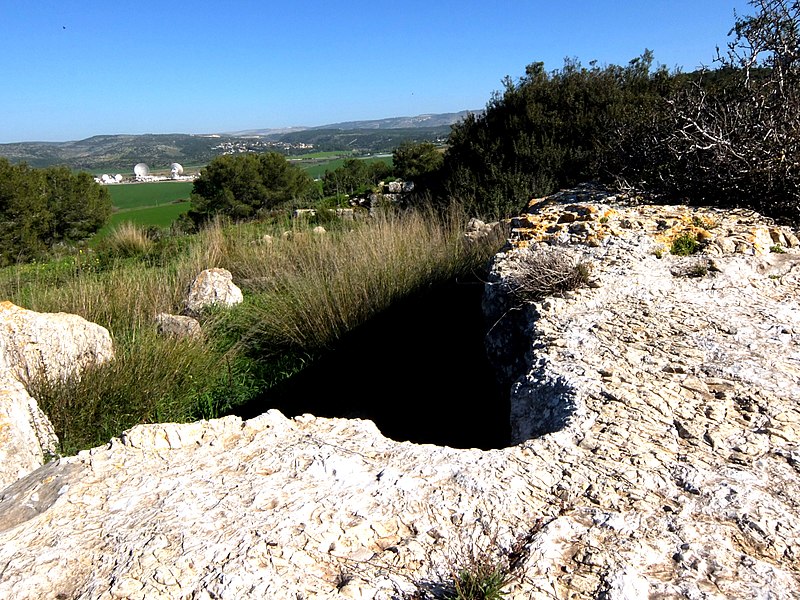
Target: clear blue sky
[(72, 69)]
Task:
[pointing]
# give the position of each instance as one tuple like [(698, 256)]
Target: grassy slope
[(302, 294)]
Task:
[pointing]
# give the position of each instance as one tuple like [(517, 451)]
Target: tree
[(351, 178), (415, 161), (78, 206), (43, 207), (548, 130), (241, 185), (736, 130)]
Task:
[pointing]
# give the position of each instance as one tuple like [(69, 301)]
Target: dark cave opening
[(419, 371)]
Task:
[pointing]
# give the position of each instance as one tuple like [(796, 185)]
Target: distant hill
[(427, 121), (119, 153)]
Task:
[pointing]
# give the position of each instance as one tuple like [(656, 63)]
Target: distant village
[(255, 144)]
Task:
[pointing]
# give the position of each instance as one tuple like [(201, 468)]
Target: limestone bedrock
[(656, 425)]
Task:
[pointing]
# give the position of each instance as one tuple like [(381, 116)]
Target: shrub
[(127, 239), (243, 185), (547, 272), (730, 136), (484, 579), (549, 130), (684, 245), (41, 208)]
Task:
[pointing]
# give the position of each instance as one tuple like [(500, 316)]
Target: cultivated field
[(155, 204), (141, 195)]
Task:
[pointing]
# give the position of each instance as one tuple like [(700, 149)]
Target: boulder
[(53, 345), (27, 438), (33, 345), (210, 287), (178, 325)]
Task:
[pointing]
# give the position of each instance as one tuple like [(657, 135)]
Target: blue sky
[(72, 69)]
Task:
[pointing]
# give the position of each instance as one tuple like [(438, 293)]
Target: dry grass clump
[(128, 239), (547, 272), (313, 289)]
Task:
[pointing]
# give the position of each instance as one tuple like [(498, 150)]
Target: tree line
[(727, 136)]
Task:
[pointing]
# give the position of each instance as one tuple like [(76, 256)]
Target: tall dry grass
[(303, 292), (313, 289)]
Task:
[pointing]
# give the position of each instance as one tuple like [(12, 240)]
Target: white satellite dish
[(176, 169), (141, 170), (118, 178)]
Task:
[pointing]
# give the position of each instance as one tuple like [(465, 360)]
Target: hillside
[(120, 152)]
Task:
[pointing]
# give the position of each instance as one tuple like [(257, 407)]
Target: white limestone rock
[(668, 465), (53, 345), (179, 326), (33, 345), (27, 438), (212, 286)]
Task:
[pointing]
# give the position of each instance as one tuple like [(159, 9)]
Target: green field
[(159, 203), (313, 155), (157, 216), (318, 170), (155, 204), (139, 195)]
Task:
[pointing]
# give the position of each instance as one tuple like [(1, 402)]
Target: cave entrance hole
[(419, 371)]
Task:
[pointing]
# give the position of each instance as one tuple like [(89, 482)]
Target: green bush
[(42, 208), (242, 186), (684, 245), (549, 130)]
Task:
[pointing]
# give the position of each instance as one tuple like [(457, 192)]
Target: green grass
[(302, 294), (139, 195), (318, 170), (151, 204), (159, 216), (684, 245)]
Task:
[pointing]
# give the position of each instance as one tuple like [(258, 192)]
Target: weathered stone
[(52, 345), (212, 286), (27, 438), (178, 325), (34, 346)]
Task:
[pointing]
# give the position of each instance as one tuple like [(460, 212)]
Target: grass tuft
[(547, 272), (127, 239), (685, 245)]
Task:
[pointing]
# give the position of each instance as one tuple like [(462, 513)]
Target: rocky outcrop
[(32, 346), (211, 287), (27, 438), (657, 451)]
